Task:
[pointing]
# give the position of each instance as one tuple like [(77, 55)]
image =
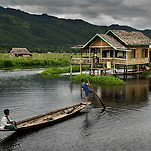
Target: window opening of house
[(120, 54), (95, 50), (144, 53), (107, 53), (133, 53)]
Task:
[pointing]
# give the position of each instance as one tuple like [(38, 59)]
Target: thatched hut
[(20, 52)]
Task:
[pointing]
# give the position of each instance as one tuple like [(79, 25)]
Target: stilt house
[(115, 48)]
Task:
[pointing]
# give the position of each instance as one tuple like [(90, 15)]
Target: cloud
[(101, 12)]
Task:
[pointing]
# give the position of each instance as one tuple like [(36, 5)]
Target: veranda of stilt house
[(114, 49)]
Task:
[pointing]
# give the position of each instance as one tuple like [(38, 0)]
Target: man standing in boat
[(86, 89), (6, 123)]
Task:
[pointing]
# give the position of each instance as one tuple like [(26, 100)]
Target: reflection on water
[(125, 125), (134, 92)]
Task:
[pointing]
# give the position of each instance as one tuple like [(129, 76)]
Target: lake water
[(125, 126)]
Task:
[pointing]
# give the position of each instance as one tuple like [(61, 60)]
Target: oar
[(104, 107)]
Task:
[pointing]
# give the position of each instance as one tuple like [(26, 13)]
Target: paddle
[(104, 107)]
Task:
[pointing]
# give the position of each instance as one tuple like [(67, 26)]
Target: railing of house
[(115, 61), (119, 61), (80, 61)]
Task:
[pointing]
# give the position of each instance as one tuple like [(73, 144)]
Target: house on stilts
[(113, 49)]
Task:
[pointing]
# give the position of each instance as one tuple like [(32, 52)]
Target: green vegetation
[(99, 80), (57, 71), (146, 73), (57, 63), (43, 33), (54, 72), (42, 60)]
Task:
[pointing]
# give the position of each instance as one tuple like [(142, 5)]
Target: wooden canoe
[(49, 118)]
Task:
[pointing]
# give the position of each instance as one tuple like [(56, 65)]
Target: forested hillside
[(46, 33)]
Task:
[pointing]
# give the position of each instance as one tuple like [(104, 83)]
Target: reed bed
[(41, 60)]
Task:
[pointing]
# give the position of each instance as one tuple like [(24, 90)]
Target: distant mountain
[(21, 29)]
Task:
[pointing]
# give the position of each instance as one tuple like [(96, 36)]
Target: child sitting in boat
[(86, 89), (6, 123)]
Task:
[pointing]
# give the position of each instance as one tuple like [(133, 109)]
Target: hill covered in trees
[(46, 33)]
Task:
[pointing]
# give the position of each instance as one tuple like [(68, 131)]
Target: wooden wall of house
[(129, 60), (99, 42), (138, 58)]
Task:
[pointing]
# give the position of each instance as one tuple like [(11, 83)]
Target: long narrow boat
[(49, 118)]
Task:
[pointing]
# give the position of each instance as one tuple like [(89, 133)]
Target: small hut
[(20, 52)]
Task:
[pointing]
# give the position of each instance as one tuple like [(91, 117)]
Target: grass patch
[(54, 72), (41, 60), (99, 80), (57, 71)]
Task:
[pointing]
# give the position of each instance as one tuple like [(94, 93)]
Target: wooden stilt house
[(113, 49)]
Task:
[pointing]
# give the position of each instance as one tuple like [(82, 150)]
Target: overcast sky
[(134, 13)]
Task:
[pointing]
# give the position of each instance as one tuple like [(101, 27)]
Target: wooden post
[(81, 53), (103, 67), (148, 55), (113, 61), (101, 52), (101, 56), (138, 68), (80, 65), (70, 66), (126, 69), (92, 68), (81, 62), (70, 69), (89, 55)]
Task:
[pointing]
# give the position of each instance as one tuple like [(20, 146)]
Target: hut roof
[(112, 42), (119, 39), (131, 37), (21, 51)]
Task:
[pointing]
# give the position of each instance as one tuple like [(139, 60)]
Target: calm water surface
[(125, 126)]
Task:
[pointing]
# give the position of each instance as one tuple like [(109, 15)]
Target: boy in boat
[(86, 89), (6, 123)]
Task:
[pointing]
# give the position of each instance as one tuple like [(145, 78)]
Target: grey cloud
[(128, 12), (56, 3)]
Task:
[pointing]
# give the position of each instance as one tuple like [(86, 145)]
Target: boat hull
[(49, 118)]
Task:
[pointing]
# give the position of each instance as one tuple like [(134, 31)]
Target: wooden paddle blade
[(104, 107)]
